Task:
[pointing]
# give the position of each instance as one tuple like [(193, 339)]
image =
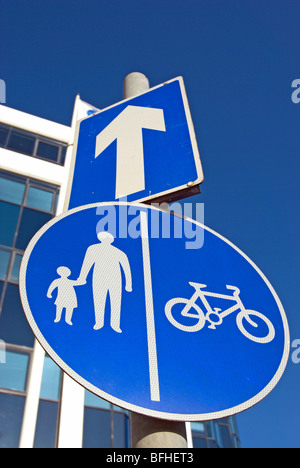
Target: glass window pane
[(223, 420), (96, 431), (47, 151), (225, 436), (3, 135), (233, 425), (4, 260), (212, 444), (46, 425), (95, 401), (40, 199), (12, 314), (199, 443), (198, 427), (13, 374), (63, 155), (11, 190), (31, 222), (210, 427), (51, 380), (21, 143), (11, 415), (121, 431), (14, 276), (9, 215)]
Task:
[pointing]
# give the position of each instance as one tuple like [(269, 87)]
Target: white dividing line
[(152, 350)]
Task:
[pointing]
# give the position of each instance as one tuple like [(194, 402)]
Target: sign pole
[(148, 432)]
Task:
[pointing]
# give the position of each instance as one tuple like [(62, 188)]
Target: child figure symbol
[(66, 295)]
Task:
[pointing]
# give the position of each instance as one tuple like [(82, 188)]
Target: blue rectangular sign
[(143, 148)]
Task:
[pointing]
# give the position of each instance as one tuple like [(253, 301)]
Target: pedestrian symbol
[(106, 262)]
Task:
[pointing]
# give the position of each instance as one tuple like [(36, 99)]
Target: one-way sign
[(143, 148)]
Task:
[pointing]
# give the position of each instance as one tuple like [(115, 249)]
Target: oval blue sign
[(153, 312)]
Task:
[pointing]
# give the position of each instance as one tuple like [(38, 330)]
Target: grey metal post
[(135, 83), (148, 432)]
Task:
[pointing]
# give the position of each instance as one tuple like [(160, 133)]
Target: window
[(215, 434), (47, 151), (199, 442), (4, 131), (11, 190), (225, 436), (105, 425), (30, 223), (11, 415), (16, 264), (95, 401), (97, 424), (46, 425), (32, 145), (9, 215), (25, 206), (51, 380), (13, 324), (39, 198), (21, 142), (121, 430), (4, 260), (14, 372), (198, 427), (45, 434)]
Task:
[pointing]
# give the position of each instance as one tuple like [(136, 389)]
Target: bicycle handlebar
[(234, 288)]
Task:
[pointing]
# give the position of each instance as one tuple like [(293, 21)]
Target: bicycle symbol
[(215, 316)]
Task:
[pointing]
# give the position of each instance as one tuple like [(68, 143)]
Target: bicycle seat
[(198, 285)]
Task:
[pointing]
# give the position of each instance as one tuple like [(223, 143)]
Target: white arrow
[(127, 129)]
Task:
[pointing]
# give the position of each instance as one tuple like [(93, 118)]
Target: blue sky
[(238, 59)]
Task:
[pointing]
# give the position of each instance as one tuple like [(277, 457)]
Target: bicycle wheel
[(188, 328), (246, 315)]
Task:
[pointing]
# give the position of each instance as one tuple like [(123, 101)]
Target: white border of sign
[(189, 184), (137, 409)]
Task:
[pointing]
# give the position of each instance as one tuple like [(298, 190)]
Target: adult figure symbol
[(107, 262)]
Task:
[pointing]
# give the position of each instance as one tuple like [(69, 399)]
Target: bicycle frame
[(215, 315), (200, 294)]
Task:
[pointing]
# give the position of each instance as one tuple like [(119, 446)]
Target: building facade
[(40, 407)]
